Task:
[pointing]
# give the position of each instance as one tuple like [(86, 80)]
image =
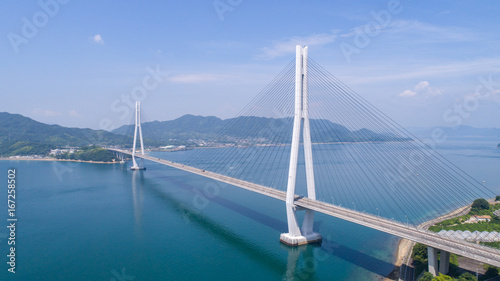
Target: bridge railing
[(397, 228), (424, 234)]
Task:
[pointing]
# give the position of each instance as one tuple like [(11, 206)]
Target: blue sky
[(80, 63)]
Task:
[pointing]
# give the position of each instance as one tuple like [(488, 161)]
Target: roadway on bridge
[(417, 234)]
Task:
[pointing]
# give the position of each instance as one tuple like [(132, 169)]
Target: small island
[(483, 217)]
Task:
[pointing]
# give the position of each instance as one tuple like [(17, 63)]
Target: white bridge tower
[(305, 235), (137, 127)]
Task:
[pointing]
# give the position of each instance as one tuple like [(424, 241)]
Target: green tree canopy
[(90, 153), (419, 252), (467, 277), (442, 277), (480, 204), (491, 271), (426, 277)]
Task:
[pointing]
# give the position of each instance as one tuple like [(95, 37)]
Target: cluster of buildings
[(27, 157), (172, 148), (476, 219), (485, 218), (55, 152)]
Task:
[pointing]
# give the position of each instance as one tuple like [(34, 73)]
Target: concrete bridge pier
[(295, 235), (444, 262)]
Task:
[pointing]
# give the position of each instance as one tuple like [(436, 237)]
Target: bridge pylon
[(137, 128), (305, 235)]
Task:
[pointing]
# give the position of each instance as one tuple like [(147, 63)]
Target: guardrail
[(414, 233)]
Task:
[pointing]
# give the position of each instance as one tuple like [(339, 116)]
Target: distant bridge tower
[(297, 236), (137, 127)]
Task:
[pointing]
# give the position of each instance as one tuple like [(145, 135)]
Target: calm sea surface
[(80, 221)]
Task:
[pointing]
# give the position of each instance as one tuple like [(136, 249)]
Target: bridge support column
[(432, 260), (444, 262), (138, 127), (295, 235)]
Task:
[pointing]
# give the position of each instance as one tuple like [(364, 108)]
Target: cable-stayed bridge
[(471, 250), (287, 142)]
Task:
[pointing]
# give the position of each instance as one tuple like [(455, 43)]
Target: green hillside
[(207, 128), (89, 153), (21, 135)]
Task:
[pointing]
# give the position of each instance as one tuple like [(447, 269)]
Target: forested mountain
[(247, 127), (20, 135), (18, 127)]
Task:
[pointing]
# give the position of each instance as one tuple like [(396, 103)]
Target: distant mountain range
[(15, 127), (21, 135), (248, 127)]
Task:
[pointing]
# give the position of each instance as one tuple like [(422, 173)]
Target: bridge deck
[(470, 250)]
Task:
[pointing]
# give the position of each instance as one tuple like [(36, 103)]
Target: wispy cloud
[(74, 113), (408, 93), (491, 89), (430, 32), (416, 31), (98, 39), (368, 74), (422, 89), (287, 46), (193, 78), (46, 112), (445, 12)]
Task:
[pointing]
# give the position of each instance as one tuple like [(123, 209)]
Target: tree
[(419, 252), (442, 277), (480, 204), (491, 271), (497, 198), (467, 277), (426, 277)]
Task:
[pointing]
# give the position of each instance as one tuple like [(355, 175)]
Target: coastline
[(402, 250), (405, 246), (55, 159)]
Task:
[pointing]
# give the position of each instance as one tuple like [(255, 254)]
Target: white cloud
[(46, 112), (193, 78), (492, 90), (408, 93), (287, 46), (376, 74), (445, 12), (423, 88), (496, 96), (73, 113), (429, 33), (98, 39), (419, 32)]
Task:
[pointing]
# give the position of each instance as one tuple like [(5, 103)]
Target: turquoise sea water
[(80, 221)]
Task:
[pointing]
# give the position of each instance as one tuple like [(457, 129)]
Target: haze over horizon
[(81, 64)]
